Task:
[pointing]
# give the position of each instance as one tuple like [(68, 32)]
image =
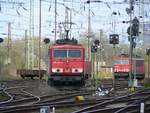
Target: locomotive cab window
[(74, 53), (58, 53)]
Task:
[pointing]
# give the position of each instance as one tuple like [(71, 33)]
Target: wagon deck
[(30, 73)]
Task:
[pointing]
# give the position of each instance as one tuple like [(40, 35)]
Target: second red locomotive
[(122, 67)]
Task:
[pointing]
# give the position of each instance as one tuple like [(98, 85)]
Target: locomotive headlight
[(77, 70), (57, 70)]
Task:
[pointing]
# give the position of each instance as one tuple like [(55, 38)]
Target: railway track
[(28, 101), (101, 105), (121, 104), (19, 97), (44, 100), (10, 97)]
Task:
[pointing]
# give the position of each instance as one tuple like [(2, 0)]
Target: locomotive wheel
[(82, 82), (22, 77), (50, 82), (32, 77)]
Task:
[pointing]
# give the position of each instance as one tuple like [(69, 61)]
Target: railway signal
[(97, 42), (135, 25), (93, 48), (46, 40), (134, 28), (148, 51), (1, 40), (114, 39)]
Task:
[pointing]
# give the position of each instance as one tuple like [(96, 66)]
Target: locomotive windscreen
[(74, 53), (59, 53), (69, 53), (121, 62)]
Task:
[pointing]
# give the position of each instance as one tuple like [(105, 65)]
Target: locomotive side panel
[(139, 69)]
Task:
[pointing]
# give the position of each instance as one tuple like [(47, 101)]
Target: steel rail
[(112, 110), (9, 95), (137, 102), (64, 104), (107, 102), (43, 99)]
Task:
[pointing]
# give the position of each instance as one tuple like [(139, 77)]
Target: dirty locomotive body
[(67, 63)]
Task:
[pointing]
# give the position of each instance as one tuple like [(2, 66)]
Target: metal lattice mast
[(89, 31), (25, 48), (131, 48), (141, 14), (55, 19), (31, 36)]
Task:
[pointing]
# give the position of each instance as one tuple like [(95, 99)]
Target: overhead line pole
[(89, 31), (55, 19), (131, 49), (31, 37), (9, 43), (40, 40), (148, 65), (32, 40), (25, 49)]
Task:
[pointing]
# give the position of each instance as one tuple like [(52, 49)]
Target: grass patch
[(102, 74), (147, 85), (3, 97), (9, 77)]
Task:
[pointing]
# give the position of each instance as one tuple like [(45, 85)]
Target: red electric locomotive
[(67, 63), (121, 66)]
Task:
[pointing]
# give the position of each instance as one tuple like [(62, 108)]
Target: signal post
[(133, 32), (148, 55), (114, 39), (94, 50), (47, 41)]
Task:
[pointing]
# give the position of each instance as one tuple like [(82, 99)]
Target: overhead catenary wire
[(66, 3)]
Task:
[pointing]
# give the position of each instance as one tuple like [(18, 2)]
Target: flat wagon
[(30, 73)]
